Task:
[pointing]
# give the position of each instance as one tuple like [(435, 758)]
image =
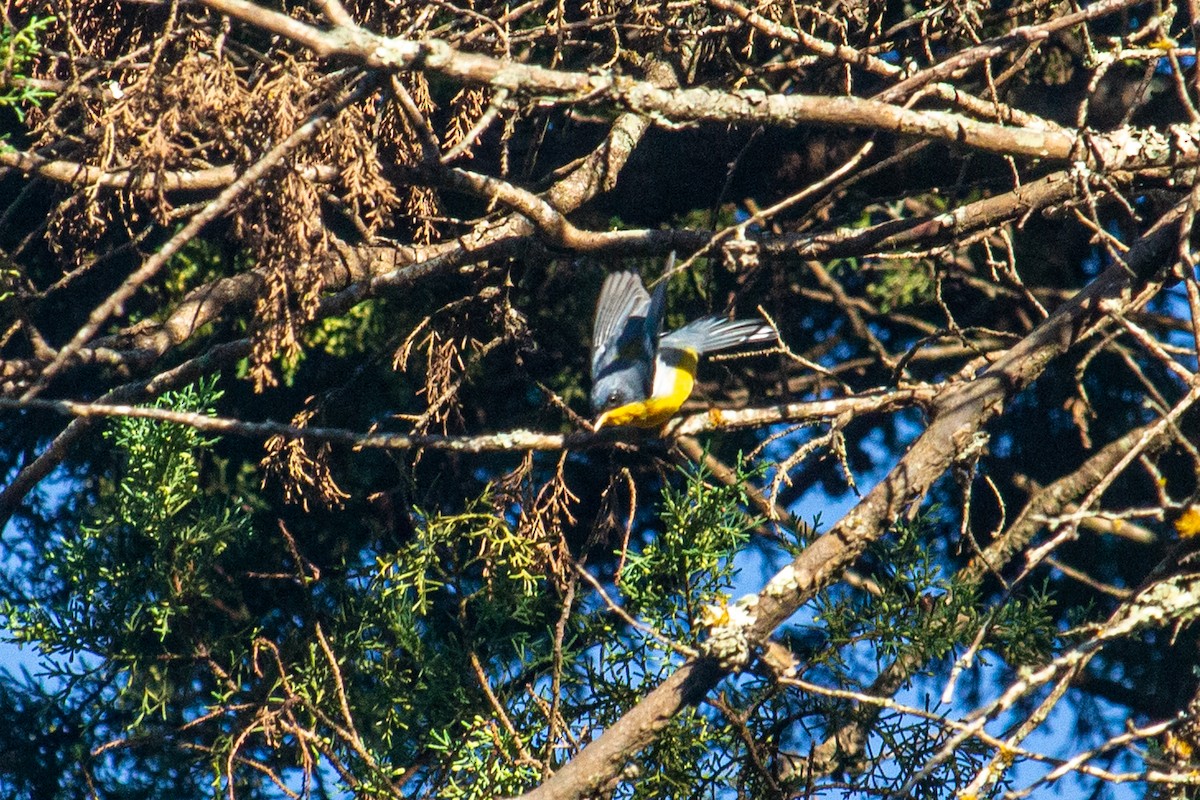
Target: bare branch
[(1122, 149), (115, 302)]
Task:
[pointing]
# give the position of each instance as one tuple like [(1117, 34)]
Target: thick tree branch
[(843, 746), (1121, 149), (961, 415)]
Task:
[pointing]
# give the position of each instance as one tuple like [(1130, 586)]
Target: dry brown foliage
[(544, 515), (302, 468)]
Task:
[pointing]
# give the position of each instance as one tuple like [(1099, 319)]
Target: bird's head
[(617, 396)]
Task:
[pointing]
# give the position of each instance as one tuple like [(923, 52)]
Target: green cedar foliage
[(18, 47)]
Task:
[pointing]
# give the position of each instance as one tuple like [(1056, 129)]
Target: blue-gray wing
[(709, 334), (624, 336)]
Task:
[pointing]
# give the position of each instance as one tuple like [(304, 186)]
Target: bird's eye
[(613, 400)]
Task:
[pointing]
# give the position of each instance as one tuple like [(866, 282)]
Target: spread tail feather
[(709, 334)]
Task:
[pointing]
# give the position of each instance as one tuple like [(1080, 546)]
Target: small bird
[(641, 376)]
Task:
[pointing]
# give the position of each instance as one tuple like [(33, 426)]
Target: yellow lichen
[(1189, 524)]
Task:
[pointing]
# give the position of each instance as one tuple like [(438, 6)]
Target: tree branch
[(115, 302), (962, 413), (1121, 149)]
